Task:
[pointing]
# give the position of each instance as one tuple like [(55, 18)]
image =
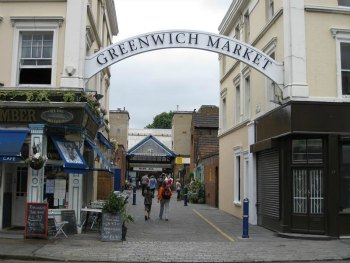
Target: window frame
[(24, 24), (223, 110), (237, 99), (237, 179), (246, 93), (346, 5), (341, 36)]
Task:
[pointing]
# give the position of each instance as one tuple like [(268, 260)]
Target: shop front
[(303, 185), (62, 136)]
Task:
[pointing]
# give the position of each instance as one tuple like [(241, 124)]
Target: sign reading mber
[(185, 39)]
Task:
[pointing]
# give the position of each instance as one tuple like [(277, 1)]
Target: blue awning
[(73, 160), (104, 159), (11, 142), (104, 140)]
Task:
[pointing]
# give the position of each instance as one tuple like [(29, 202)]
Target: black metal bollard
[(134, 195), (245, 218)]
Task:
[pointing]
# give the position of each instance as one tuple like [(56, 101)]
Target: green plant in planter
[(117, 204)]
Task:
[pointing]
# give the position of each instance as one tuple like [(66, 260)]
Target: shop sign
[(148, 169), (57, 116), (220, 44), (10, 159)]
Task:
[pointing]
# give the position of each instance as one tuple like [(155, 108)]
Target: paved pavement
[(195, 233)]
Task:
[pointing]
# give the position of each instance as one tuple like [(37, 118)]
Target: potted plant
[(114, 211), (36, 161)]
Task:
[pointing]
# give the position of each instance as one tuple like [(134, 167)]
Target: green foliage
[(196, 192), (116, 204), (161, 121), (68, 97), (53, 95)]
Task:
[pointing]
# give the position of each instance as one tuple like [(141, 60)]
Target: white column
[(252, 194), (75, 188), (36, 177), (295, 75), (75, 44)]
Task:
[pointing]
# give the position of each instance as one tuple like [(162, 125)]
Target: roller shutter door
[(268, 183)]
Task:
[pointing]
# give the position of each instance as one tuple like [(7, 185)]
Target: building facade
[(286, 148), (48, 110), (119, 128), (205, 150), (181, 143)]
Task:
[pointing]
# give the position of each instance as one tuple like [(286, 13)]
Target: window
[(270, 9), (223, 114), (35, 64), (238, 104), (56, 187), (237, 176), (246, 97), (21, 181), (34, 57), (307, 151), (345, 67), (273, 93), (246, 27), (344, 2), (345, 178), (237, 33)]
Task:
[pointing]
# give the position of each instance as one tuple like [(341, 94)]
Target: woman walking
[(164, 195), (148, 202)]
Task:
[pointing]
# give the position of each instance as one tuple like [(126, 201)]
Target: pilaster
[(295, 75), (74, 46), (38, 141)]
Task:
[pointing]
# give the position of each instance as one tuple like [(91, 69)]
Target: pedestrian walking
[(152, 184), (148, 203), (144, 183), (164, 195), (159, 181), (185, 195), (178, 189)]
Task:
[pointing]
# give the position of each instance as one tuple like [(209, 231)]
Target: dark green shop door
[(308, 186), (308, 201)]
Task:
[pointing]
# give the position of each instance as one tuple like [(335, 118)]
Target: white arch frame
[(185, 39)]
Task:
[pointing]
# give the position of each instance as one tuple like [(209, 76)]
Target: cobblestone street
[(196, 233)]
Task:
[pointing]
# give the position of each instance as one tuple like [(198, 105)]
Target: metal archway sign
[(185, 39)]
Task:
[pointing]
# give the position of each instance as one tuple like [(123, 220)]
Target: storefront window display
[(56, 188)]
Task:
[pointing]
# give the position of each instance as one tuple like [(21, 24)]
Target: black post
[(245, 218), (134, 195)]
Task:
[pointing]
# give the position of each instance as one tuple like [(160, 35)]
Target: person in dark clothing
[(148, 202)]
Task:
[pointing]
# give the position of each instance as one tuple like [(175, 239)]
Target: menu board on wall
[(36, 220)]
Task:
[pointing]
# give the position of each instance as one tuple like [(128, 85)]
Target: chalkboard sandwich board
[(111, 229), (36, 220), (69, 216)]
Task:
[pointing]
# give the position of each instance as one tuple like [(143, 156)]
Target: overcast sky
[(171, 79)]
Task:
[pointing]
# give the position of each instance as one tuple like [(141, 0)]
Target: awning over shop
[(106, 163), (69, 153), (104, 140), (11, 142)]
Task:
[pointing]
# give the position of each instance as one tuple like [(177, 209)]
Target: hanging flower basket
[(36, 161)]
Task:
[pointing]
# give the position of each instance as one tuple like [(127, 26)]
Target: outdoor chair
[(59, 227)]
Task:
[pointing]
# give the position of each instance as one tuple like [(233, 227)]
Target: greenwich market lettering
[(185, 39)]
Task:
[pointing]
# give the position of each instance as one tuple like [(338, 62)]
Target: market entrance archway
[(185, 39)]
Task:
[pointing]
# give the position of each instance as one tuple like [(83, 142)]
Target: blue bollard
[(245, 218), (134, 195)]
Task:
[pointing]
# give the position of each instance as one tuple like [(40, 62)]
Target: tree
[(161, 121)]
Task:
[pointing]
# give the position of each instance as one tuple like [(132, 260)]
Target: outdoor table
[(94, 212)]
